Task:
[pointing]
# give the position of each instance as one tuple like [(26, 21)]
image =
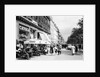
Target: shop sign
[(24, 28)]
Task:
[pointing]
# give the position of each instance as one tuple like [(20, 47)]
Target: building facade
[(32, 27), (37, 27), (60, 38), (55, 35)]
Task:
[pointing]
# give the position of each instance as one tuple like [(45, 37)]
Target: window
[(23, 34), (38, 36), (33, 33)]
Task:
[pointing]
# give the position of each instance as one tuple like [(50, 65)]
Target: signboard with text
[(23, 28)]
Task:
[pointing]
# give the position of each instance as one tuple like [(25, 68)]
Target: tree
[(76, 36)]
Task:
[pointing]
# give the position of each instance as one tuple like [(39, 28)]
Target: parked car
[(68, 47)]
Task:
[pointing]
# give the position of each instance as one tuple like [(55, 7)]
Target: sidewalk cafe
[(33, 47)]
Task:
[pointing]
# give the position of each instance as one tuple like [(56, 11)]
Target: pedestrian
[(73, 49), (51, 49), (17, 46), (48, 48), (76, 48), (59, 49), (55, 49)]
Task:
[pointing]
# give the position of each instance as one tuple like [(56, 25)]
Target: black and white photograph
[(49, 37)]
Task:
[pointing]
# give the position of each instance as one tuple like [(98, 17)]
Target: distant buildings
[(55, 35), (61, 39), (37, 27)]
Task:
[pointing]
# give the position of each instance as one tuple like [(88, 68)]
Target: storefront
[(26, 31), (23, 32)]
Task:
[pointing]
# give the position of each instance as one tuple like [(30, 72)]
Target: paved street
[(65, 55)]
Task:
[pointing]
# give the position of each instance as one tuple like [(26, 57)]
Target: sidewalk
[(66, 55)]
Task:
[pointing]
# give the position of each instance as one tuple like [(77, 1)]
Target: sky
[(66, 24)]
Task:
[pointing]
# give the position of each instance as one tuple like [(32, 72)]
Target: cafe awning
[(45, 39), (31, 41), (36, 41)]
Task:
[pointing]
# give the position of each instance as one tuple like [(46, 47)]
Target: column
[(17, 30), (35, 34)]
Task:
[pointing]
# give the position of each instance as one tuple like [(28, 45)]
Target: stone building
[(32, 27), (37, 27)]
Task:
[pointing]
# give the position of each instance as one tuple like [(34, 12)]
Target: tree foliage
[(76, 36)]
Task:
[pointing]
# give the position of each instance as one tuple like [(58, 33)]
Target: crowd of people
[(26, 51)]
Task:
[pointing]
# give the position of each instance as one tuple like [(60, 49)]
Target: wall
[(17, 30), (42, 21), (54, 35)]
